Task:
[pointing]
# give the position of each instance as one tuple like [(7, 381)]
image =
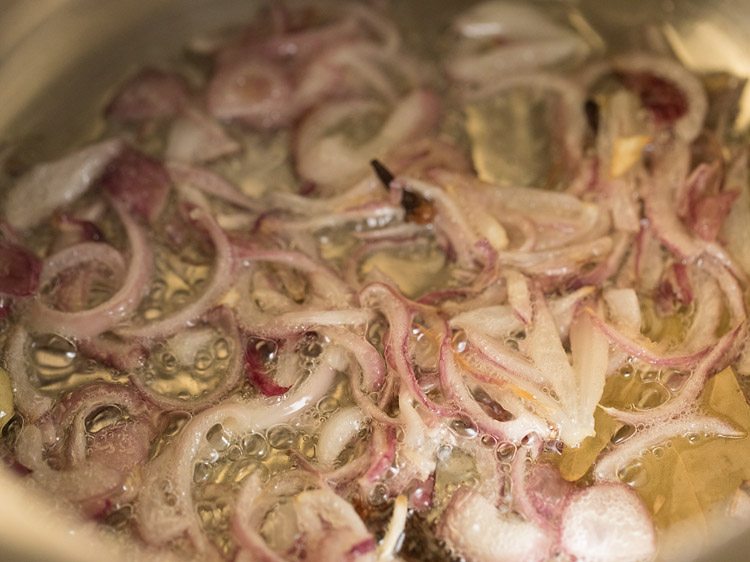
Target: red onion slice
[(325, 282), (164, 507), (218, 285), (472, 528), (687, 125), (195, 138), (75, 256), (330, 527), (639, 346), (452, 221), (607, 523), (89, 482), (19, 270), (713, 361), (609, 465), (26, 397), (211, 184), (150, 94), (138, 182), (393, 535), (337, 432), (452, 382), (54, 184), (73, 410), (230, 378), (94, 321), (399, 318), (328, 160)]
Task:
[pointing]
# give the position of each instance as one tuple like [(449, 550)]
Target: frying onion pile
[(301, 301)]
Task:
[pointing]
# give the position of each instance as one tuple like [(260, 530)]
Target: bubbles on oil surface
[(281, 437), (103, 418), (218, 438), (255, 445), (505, 452), (464, 427), (119, 518), (633, 474), (221, 348), (622, 434), (652, 394), (189, 364), (328, 404), (53, 357)]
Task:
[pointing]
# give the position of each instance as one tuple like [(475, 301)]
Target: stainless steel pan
[(59, 58)]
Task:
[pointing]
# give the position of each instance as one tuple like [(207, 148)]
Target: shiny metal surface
[(59, 58)]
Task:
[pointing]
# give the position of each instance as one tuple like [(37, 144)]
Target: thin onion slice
[(106, 316)]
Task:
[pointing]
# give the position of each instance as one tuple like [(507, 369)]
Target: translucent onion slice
[(55, 184), (609, 465), (607, 523), (92, 322), (472, 528), (218, 285), (165, 506)]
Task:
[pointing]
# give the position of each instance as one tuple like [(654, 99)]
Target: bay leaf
[(575, 462), (692, 480)]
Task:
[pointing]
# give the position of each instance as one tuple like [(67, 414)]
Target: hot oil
[(511, 139), (230, 459), (264, 163)]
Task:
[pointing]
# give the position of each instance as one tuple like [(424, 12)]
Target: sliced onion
[(92, 322), (639, 346), (607, 523), (453, 384), (689, 125), (223, 318), (26, 396), (211, 184), (325, 283), (331, 528), (19, 270), (609, 465), (165, 507), (78, 254), (390, 543), (399, 317), (195, 138), (472, 528), (150, 94), (328, 160), (519, 295), (337, 432), (713, 361), (55, 184), (218, 285), (89, 482), (138, 182)]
